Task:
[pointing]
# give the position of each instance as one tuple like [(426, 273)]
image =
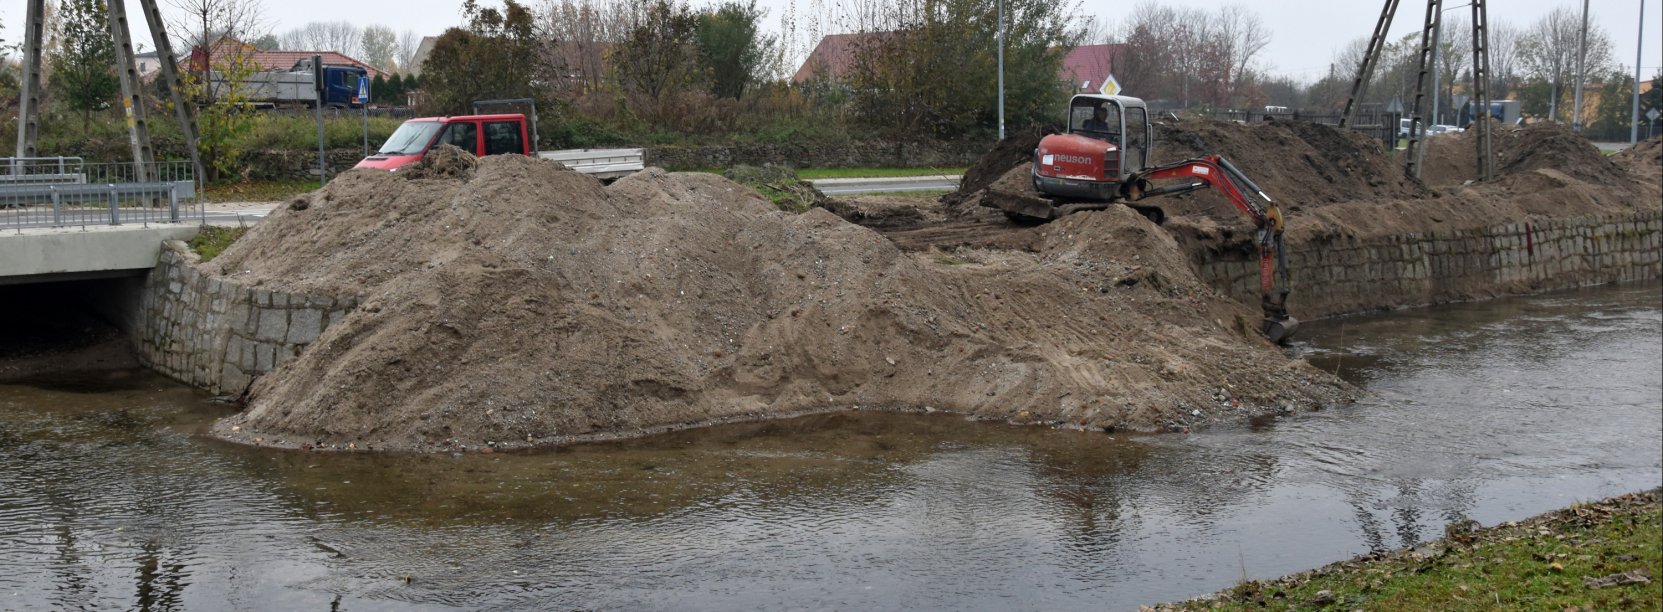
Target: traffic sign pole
[(364, 102)]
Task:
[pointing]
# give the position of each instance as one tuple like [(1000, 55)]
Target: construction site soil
[(511, 303)]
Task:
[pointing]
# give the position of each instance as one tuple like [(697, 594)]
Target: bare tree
[(1505, 40), (211, 26), (338, 36), (582, 31), (1243, 36), (1454, 57), (1549, 52), (380, 46), (408, 44)]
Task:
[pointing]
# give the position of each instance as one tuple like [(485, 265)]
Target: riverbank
[(1600, 555), (503, 303)]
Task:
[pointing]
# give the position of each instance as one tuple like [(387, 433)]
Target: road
[(857, 186)]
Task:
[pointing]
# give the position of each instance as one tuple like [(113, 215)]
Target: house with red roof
[(1084, 67), (281, 61)]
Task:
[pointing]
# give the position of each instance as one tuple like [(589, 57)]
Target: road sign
[(1111, 87), (363, 90), (1652, 114)]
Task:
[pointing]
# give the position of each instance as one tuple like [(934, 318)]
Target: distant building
[(1084, 67), (422, 51), (147, 63), (1087, 66), (272, 60), (833, 57)]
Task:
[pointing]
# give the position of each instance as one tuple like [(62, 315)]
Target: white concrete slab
[(53, 251)]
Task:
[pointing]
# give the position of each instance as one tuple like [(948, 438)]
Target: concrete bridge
[(67, 220)]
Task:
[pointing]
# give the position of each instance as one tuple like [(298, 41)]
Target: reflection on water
[(110, 498)]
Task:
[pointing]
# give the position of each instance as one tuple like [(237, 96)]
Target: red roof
[(276, 60), (834, 55), (1087, 66), (832, 58), (284, 60)]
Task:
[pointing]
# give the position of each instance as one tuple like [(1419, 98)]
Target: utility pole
[(1639, 43), (1581, 57), (1365, 72), (319, 83), (28, 107), (138, 126), (1417, 125), (1001, 54), (183, 110)]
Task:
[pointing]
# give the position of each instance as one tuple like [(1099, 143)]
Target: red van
[(477, 134)]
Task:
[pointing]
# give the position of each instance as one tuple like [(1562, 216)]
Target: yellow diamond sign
[(1110, 87)]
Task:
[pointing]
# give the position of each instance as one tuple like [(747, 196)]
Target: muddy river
[(111, 499)]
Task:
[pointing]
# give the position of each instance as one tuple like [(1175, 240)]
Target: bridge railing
[(67, 191)]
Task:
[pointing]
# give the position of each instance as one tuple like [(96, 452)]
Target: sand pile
[(1452, 159), (1645, 157), (529, 305)]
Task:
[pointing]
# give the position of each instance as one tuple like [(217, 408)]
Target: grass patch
[(257, 191), (211, 240), (1576, 558), (814, 174), (953, 260)]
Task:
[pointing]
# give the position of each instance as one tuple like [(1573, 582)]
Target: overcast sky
[(1305, 33)]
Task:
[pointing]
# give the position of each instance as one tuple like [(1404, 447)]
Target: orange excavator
[(1102, 160)]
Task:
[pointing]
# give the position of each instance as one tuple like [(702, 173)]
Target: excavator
[(1102, 160)]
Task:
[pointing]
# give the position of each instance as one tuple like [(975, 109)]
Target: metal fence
[(1373, 122), (67, 191)]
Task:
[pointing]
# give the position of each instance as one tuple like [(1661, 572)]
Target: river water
[(111, 499)]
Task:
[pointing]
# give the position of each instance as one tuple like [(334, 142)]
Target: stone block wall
[(1334, 275), (217, 334)]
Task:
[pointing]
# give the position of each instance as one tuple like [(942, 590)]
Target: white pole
[(1639, 43), (1437, 72), (1581, 55), (1001, 54)]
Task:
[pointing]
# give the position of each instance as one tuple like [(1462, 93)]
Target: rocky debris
[(443, 162), (530, 305)]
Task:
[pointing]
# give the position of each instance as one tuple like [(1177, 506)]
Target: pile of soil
[(529, 305), (1452, 159), (1644, 158), (1014, 149)]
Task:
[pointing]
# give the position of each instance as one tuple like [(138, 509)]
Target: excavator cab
[(1118, 120), (1107, 142)]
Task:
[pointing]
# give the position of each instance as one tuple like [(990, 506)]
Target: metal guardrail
[(64, 192)]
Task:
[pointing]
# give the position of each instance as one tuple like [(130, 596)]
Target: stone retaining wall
[(1334, 275), (219, 335)]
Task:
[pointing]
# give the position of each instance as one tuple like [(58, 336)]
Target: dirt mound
[(1452, 159), (530, 305), (1015, 149), (1644, 158), (1296, 162)]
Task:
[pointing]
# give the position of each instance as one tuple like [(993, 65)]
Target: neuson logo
[(1073, 159)]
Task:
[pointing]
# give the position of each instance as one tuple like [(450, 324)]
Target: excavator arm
[(1218, 173)]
